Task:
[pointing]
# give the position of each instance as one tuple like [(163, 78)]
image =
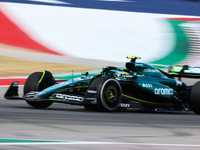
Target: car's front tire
[(32, 84), (109, 93)]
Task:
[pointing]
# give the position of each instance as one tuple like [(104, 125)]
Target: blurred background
[(89, 34), (80, 35)]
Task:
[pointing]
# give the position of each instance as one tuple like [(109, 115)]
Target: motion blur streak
[(11, 34)]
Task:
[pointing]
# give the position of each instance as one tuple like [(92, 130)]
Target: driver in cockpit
[(120, 74)]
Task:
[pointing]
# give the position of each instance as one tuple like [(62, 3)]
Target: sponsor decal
[(125, 105), (91, 91), (129, 76), (163, 91), (69, 97), (141, 75), (120, 69), (15, 84), (139, 65), (147, 85), (151, 70)]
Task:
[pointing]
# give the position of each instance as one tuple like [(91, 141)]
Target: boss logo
[(147, 85)]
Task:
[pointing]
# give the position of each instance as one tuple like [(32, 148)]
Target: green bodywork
[(148, 86)]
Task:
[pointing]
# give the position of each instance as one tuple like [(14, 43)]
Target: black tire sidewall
[(194, 101), (102, 84), (106, 87), (32, 84), (32, 81)]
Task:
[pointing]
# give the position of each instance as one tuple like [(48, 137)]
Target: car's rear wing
[(184, 71)]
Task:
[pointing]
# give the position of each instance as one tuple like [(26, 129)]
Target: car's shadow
[(82, 109)]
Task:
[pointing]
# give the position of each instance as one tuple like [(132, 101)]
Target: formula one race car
[(139, 86)]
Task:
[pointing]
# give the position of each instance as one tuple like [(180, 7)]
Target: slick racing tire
[(109, 93), (31, 84), (194, 101)]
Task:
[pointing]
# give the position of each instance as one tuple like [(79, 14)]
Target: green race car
[(139, 86)]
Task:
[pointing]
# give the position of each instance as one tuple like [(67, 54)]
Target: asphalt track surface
[(116, 130)]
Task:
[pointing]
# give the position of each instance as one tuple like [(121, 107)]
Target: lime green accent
[(181, 48), (42, 76), (177, 68), (53, 99), (173, 73), (145, 101), (111, 94), (169, 73), (131, 57)]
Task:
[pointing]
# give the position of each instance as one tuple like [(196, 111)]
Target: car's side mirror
[(85, 73)]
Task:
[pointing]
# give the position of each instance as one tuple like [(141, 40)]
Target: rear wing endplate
[(184, 71)]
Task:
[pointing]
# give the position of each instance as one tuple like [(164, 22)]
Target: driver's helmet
[(120, 74)]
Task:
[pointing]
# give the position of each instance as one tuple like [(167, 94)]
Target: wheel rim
[(111, 94)]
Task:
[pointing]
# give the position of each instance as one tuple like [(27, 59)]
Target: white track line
[(102, 143)]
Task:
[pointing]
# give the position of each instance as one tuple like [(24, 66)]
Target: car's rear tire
[(32, 84), (109, 93), (194, 101)]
